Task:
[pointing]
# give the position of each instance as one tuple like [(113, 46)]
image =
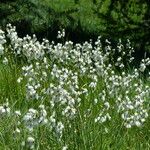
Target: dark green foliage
[(36, 15), (82, 19), (127, 19)]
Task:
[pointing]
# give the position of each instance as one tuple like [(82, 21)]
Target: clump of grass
[(66, 96)]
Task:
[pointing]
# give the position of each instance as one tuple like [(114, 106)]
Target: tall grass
[(66, 96)]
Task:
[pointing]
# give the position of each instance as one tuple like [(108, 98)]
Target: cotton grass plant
[(71, 96)]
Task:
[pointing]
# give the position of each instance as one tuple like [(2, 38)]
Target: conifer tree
[(126, 19)]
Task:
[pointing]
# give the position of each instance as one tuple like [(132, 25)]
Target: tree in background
[(82, 19), (36, 16), (126, 19)]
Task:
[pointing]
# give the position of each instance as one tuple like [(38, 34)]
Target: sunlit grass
[(65, 96)]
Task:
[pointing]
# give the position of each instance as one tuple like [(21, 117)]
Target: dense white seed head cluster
[(28, 46), (2, 41), (30, 142), (35, 117), (5, 110), (61, 79)]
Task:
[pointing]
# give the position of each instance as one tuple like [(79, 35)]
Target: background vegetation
[(63, 95), (82, 19)]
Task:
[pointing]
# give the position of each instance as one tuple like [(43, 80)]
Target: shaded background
[(82, 20)]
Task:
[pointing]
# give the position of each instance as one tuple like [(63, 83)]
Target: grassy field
[(66, 96)]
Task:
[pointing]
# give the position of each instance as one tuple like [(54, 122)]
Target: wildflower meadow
[(67, 96)]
